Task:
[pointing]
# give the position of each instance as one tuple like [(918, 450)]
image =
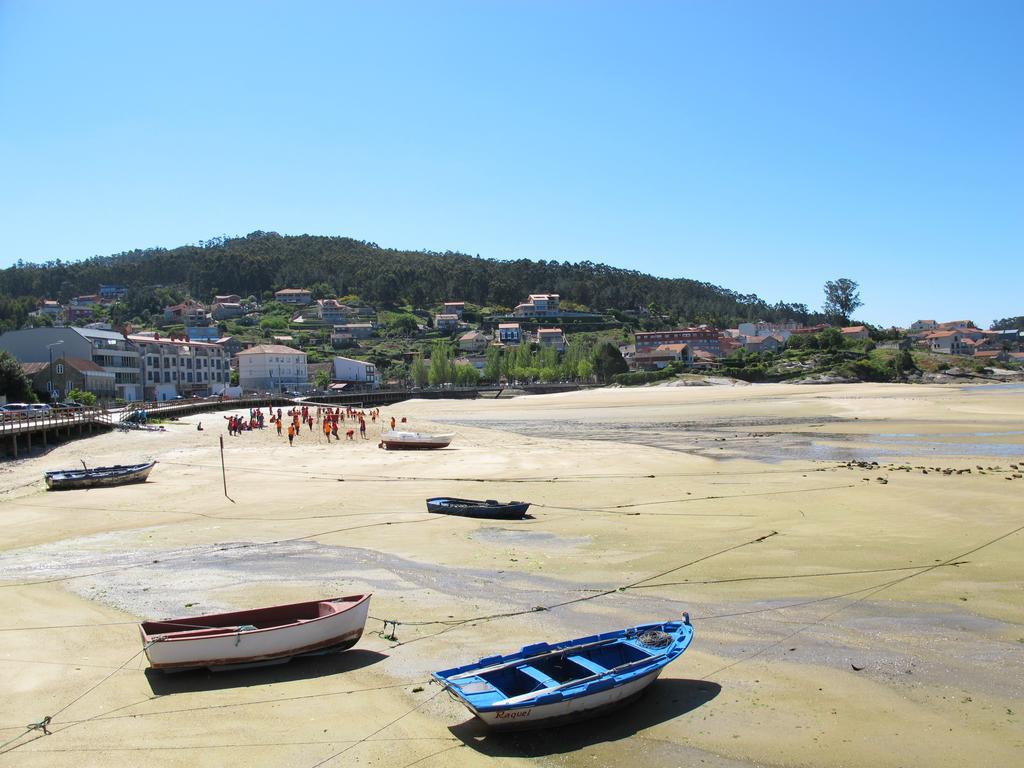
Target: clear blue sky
[(762, 146)]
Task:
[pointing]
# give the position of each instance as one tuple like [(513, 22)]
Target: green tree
[(322, 380), (584, 370), (830, 338), (80, 396), (418, 371), (492, 364), (466, 375), (321, 290), (841, 299), (442, 370), (608, 361), (14, 384)]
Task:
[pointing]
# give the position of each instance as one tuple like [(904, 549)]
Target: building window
[(60, 369)]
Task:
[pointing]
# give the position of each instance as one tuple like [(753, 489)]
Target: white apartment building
[(177, 366), (272, 368)]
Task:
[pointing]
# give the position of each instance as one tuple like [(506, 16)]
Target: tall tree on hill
[(841, 299)]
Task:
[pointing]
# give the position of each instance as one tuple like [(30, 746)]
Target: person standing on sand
[(362, 427), (291, 434), (392, 423), (334, 429), (278, 427)]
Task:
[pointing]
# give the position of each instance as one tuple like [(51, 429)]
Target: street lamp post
[(49, 350)]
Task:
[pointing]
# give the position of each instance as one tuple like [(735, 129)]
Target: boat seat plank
[(545, 680), (588, 665)]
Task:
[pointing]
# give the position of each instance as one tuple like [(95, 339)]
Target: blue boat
[(545, 685), (489, 509)]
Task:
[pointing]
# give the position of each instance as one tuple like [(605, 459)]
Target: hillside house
[(923, 325), (510, 334), (761, 328), (227, 298), (762, 344), (656, 358), (82, 308), (446, 323), (50, 308), (473, 342), (112, 291), (947, 343), (454, 308), (702, 337), (538, 305), (551, 337), (297, 296), (347, 333), (225, 310), (188, 312), (855, 332), (333, 311)]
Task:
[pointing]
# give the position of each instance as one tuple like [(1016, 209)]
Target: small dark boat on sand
[(490, 509), (119, 474)]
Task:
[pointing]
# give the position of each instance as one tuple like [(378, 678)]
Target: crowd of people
[(332, 422)]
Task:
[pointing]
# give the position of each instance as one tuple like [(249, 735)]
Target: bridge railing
[(13, 423)]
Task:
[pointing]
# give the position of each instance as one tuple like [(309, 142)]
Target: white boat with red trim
[(414, 441), (269, 635)]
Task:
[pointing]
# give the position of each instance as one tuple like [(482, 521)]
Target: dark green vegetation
[(14, 384), (1009, 323), (262, 262), (828, 354)]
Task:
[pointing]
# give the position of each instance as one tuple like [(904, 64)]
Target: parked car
[(39, 409), (12, 410)]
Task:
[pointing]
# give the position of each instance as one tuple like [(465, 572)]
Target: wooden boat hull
[(98, 477), (565, 712), (229, 640), (544, 685), (414, 441), (513, 510)]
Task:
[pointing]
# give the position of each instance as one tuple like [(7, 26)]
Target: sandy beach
[(851, 556)]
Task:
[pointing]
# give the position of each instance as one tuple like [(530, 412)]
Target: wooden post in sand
[(223, 471)]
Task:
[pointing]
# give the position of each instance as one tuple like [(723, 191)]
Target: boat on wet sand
[(119, 474), (260, 636), (489, 509), (393, 440), (545, 685)]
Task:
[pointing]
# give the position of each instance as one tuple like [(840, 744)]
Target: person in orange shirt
[(278, 422), (291, 433)]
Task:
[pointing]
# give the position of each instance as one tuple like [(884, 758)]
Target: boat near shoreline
[(542, 685), (119, 474), (271, 635), (414, 441), (489, 509)]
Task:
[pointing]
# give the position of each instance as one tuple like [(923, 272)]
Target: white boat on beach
[(414, 441), (261, 636)]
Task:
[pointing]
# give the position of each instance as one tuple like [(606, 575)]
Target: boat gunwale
[(226, 631)]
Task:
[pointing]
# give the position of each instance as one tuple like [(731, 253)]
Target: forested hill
[(266, 261)]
